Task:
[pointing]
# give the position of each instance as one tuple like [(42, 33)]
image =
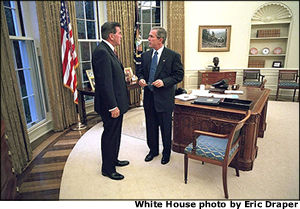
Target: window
[(26, 66), (88, 36), (28, 80), (12, 17), (149, 15)]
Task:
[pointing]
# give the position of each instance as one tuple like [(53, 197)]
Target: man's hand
[(158, 83), (142, 83), (115, 113)]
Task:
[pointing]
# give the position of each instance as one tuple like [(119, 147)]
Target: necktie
[(116, 53), (152, 70)]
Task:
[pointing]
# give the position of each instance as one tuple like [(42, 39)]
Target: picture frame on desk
[(214, 38), (91, 78), (277, 64)]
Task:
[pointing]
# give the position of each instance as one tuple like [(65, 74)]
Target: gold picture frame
[(214, 38), (91, 78), (128, 74)]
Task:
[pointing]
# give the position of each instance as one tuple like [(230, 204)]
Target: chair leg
[(237, 171), (186, 159), (294, 94), (224, 174), (277, 92)]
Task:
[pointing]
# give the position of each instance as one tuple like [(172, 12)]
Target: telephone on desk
[(222, 84)]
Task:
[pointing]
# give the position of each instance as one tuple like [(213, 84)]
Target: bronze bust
[(216, 62)]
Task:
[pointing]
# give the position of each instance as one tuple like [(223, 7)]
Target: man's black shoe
[(150, 157), (114, 175), (122, 163), (165, 159)]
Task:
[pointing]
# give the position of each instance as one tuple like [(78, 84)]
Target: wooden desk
[(134, 93), (210, 77), (186, 115)]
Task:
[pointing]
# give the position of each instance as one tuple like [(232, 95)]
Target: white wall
[(238, 14)]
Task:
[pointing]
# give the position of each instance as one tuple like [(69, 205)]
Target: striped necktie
[(152, 70)]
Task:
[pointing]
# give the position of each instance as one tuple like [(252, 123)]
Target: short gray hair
[(161, 33), (109, 27)]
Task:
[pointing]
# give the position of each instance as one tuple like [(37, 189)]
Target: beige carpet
[(275, 174)]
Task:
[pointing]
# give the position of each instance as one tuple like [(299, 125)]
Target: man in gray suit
[(111, 97), (160, 70)]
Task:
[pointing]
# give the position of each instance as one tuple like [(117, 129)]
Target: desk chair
[(252, 77), (288, 79), (217, 149)]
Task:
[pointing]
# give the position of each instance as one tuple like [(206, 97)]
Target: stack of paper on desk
[(205, 93), (201, 93), (185, 97)]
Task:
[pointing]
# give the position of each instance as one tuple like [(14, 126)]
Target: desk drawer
[(212, 77)]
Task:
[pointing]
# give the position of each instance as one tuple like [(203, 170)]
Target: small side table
[(81, 102), (134, 93)]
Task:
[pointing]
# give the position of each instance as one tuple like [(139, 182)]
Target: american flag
[(68, 54)]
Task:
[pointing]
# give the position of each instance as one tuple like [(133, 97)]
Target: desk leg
[(262, 122), (81, 108)]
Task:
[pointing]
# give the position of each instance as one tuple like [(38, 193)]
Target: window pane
[(6, 3), (27, 110), (94, 45), (85, 51), (81, 29), (79, 9), (91, 29), (146, 15), (32, 106), (146, 29), (22, 83), (28, 81), (89, 10), (10, 22), (145, 3), (145, 45), (17, 54), (85, 78), (86, 66), (157, 3), (156, 15), (139, 14)]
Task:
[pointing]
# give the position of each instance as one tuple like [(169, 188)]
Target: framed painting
[(277, 64), (128, 74), (91, 78), (214, 38)]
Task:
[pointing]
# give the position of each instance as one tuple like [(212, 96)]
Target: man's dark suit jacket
[(110, 89), (169, 70)]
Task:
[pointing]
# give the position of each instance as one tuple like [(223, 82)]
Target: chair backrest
[(253, 74), (288, 76), (235, 134)]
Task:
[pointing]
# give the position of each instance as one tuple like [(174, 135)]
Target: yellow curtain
[(124, 13), (175, 29), (11, 105), (61, 99)]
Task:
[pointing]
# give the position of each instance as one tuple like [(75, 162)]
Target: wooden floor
[(41, 179)]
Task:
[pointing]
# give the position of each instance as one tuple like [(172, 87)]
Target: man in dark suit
[(111, 97), (160, 70)]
